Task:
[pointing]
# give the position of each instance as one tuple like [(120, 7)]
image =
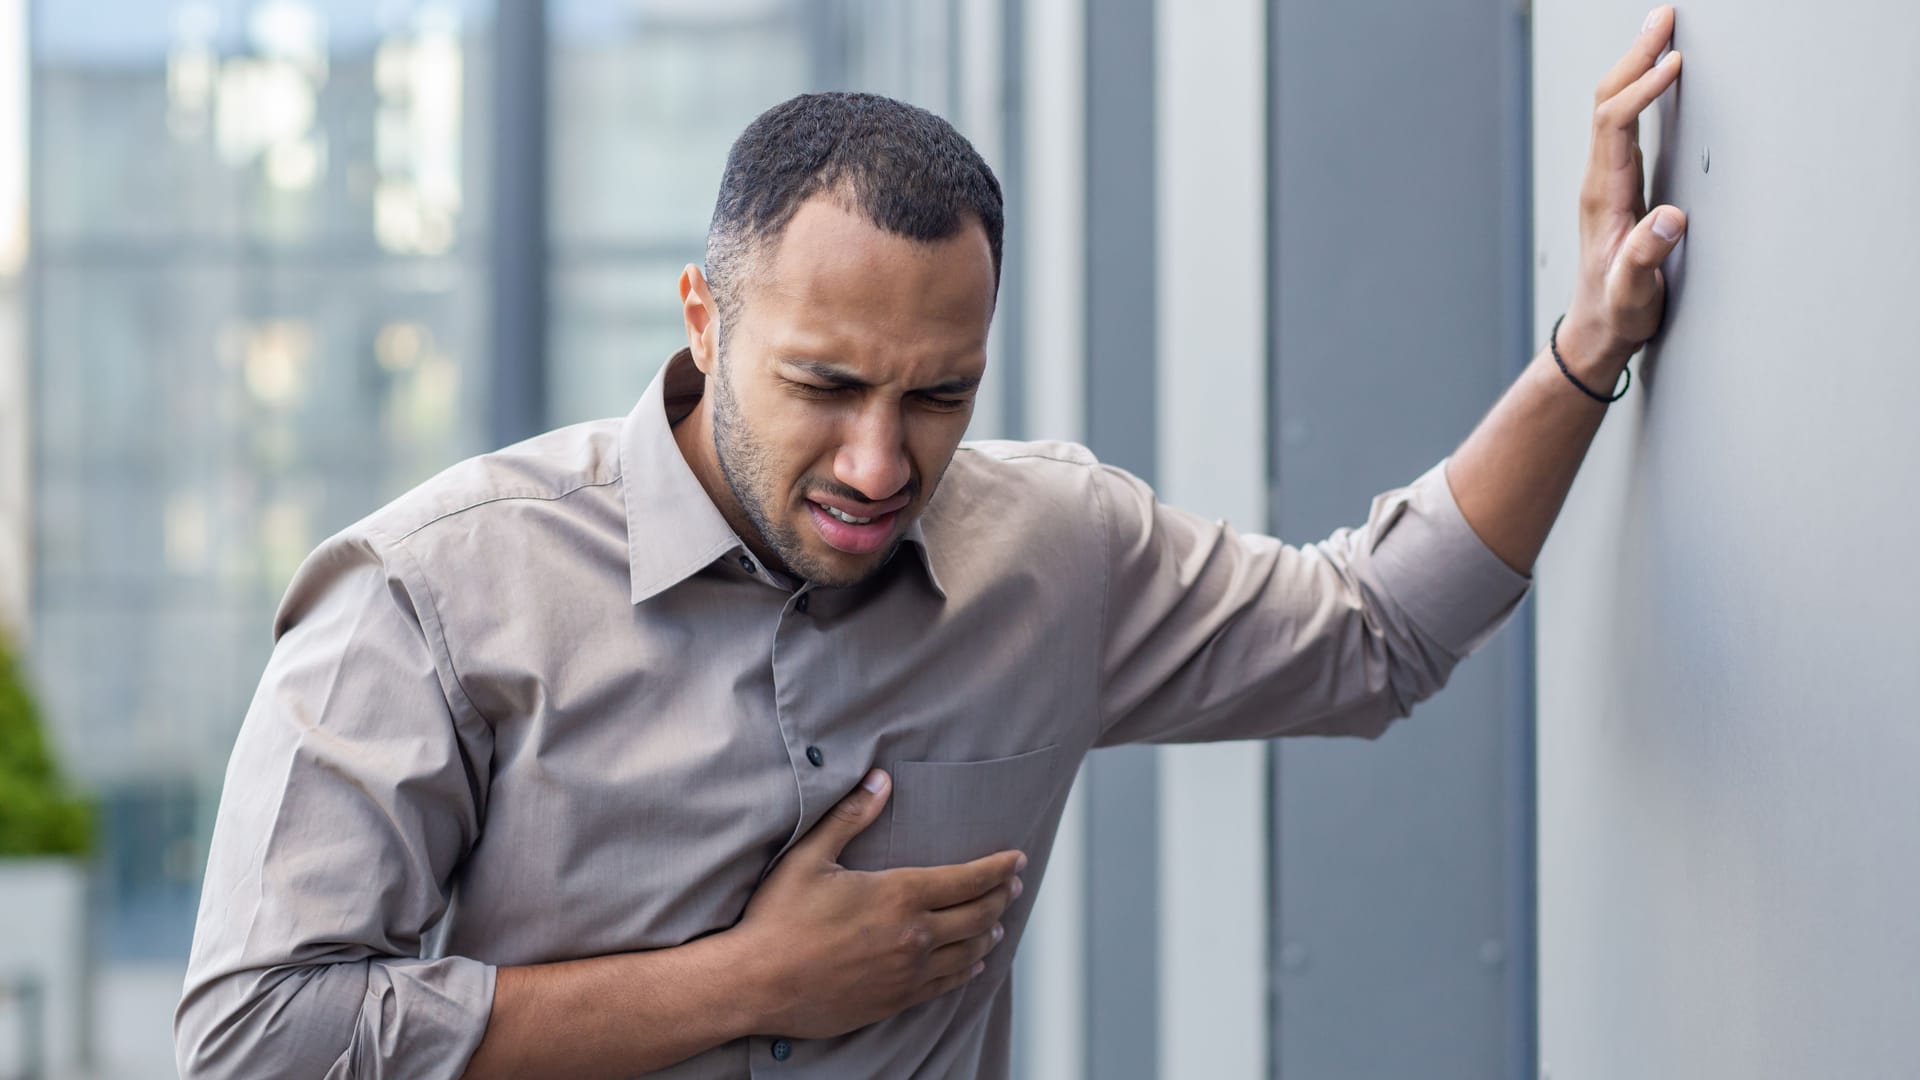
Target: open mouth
[(855, 530)]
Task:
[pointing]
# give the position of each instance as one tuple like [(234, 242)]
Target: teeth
[(848, 518)]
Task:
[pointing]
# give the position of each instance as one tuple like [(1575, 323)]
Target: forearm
[(616, 1016), (1512, 474)]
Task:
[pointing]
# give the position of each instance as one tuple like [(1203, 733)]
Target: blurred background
[(265, 264)]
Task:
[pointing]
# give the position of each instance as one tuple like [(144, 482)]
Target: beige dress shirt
[(548, 706)]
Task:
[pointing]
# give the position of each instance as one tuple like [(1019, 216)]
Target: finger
[(1646, 247), (936, 887), (977, 916), (848, 818), (1623, 109), (942, 986), (1616, 122), (1653, 37), (1639, 207), (962, 955)]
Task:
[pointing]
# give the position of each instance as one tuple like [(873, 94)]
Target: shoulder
[(1013, 450), (1043, 488), (477, 519), (528, 478), (1021, 468), (1043, 470)]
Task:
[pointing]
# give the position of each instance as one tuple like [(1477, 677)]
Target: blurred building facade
[(280, 260)]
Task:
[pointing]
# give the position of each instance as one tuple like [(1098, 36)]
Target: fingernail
[(1666, 225), (1652, 17), (875, 782), (999, 931), (1018, 888), (1020, 863)]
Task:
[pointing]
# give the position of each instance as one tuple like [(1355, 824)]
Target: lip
[(853, 508), (853, 539)]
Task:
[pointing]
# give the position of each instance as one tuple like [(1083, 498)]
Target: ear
[(702, 318)]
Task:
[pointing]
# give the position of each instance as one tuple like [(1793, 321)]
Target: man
[(730, 739)]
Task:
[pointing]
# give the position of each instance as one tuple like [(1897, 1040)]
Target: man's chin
[(829, 567), (844, 571)]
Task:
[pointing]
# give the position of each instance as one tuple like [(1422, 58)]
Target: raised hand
[(1620, 294)]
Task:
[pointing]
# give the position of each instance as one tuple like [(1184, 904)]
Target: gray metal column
[(1402, 935), (1122, 784), (1010, 310), (517, 244)]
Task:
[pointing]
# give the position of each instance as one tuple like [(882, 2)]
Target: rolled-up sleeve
[(356, 787), (1210, 634)]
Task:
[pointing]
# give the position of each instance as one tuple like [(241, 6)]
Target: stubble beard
[(744, 464)]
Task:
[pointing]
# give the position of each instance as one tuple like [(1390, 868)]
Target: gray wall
[(1728, 750)]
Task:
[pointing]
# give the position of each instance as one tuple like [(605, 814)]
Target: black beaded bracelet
[(1553, 342)]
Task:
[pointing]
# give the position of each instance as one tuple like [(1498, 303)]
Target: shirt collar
[(673, 529)]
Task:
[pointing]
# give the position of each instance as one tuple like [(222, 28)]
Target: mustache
[(911, 488)]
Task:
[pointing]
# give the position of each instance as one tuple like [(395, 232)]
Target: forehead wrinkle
[(929, 374), (844, 376)]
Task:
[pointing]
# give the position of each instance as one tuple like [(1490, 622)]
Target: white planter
[(43, 937)]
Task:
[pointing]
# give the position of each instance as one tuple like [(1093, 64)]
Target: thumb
[(1649, 244), (849, 817)]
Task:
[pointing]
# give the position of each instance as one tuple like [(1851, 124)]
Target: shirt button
[(746, 564), (782, 1049), (800, 605), (814, 755)]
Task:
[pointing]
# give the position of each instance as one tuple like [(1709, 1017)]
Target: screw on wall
[(1706, 159), (1293, 957)]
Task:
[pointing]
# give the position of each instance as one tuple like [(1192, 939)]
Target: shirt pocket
[(948, 812)]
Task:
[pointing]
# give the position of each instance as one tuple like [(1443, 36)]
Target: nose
[(873, 454)]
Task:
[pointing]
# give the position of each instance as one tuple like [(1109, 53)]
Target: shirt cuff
[(1432, 563), (423, 1018)]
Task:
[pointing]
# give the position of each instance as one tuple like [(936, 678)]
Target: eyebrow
[(841, 379)]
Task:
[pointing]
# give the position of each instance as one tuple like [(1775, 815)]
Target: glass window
[(259, 283), (647, 97)]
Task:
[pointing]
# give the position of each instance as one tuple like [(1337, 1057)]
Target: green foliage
[(38, 815)]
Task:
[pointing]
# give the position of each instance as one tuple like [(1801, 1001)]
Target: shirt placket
[(822, 775)]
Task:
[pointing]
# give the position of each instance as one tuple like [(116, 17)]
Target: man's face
[(845, 383)]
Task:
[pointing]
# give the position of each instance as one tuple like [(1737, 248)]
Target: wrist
[(752, 1000), (1591, 354)]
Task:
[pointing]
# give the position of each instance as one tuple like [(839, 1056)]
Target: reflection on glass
[(417, 135), (647, 97), (257, 320), (14, 411)]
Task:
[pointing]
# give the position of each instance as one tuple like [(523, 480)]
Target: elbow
[(259, 1024), (1416, 670), (207, 1047), (212, 1043), (367, 1018), (204, 1037)]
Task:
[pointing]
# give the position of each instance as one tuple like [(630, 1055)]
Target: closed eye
[(809, 390)]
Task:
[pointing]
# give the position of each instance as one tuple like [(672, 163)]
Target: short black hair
[(901, 167)]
